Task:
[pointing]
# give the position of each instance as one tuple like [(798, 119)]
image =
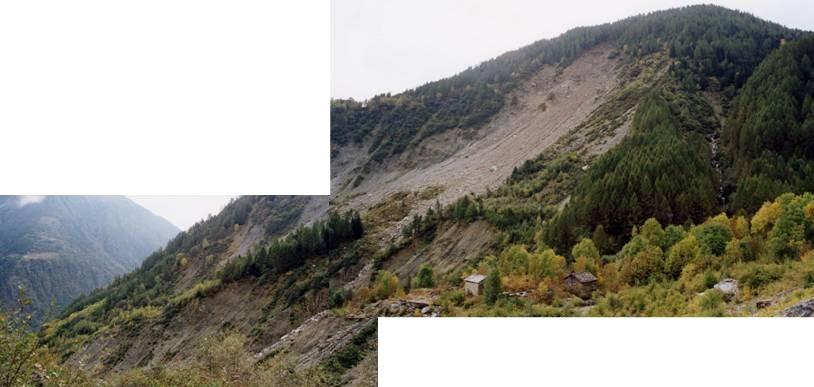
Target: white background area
[(164, 97), (627, 352)]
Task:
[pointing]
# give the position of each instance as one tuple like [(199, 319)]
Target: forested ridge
[(715, 49), (770, 137), (662, 169)]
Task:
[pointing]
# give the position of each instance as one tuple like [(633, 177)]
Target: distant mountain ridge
[(59, 247)]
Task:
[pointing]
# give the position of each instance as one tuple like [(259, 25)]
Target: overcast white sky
[(182, 211), (380, 46)]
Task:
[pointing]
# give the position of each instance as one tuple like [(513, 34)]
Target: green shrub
[(85, 327), (712, 304), (493, 287), (337, 298), (712, 237), (452, 298), (387, 285), (424, 279), (757, 276), (710, 279)]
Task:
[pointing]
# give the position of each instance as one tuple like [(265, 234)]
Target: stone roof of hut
[(583, 276)]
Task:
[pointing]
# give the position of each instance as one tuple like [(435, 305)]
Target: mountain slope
[(423, 138), (769, 139), (58, 247), (543, 108), (178, 280), (469, 175), (710, 41)]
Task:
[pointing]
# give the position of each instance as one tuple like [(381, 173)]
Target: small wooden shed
[(581, 284), (474, 284)]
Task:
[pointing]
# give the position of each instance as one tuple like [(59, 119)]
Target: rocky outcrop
[(800, 309), (412, 307), (729, 288)]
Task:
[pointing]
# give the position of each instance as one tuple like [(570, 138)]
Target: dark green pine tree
[(492, 287)]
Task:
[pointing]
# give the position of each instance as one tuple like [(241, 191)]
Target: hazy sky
[(382, 46), (182, 211)]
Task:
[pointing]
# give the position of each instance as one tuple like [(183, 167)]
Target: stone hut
[(581, 284), (474, 284)]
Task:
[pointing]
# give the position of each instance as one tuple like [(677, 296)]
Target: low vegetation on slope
[(660, 271), (222, 360), (155, 286), (24, 361), (174, 283)]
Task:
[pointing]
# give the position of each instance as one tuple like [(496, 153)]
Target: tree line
[(662, 169), (769, 139), (286, 253)]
